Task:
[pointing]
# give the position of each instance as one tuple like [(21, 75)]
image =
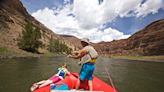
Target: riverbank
[(17, 53), (143, 58)]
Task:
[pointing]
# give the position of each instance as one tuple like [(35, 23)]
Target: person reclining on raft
[(62, 71), (87, 56)]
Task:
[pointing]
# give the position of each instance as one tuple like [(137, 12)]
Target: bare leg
[(78, 84), (56, 79), (36, 85), (41, 82), (47, 82), (90, 85)]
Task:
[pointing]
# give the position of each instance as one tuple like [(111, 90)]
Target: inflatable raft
[(71, 80)]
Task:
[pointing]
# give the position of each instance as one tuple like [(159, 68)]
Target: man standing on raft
[(87, 56)]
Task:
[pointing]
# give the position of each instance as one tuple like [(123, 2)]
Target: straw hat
[(86, 40)]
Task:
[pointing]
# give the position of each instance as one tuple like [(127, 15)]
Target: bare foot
[(34, 87)]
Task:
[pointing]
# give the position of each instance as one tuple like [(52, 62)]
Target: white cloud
[(87, 13), (56, 18), (85, 18), (61, 23), (108, 34), (150, 6), (90, 13)]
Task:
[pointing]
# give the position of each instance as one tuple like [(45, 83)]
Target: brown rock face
[(149, 41), (72, 40), (13, 17), (13, 6)]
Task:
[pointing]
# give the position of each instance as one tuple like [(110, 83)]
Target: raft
[(71, 80)]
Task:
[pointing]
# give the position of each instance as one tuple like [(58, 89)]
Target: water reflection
[(17, 75)]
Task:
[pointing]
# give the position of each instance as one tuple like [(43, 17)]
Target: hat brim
[(85, 42)]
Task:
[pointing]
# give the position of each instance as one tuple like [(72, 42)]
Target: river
[(17, 75)]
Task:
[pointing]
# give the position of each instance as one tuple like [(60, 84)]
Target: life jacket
[(91, 55), (61, 72)]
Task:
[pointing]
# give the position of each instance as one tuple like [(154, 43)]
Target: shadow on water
[(17, 75)]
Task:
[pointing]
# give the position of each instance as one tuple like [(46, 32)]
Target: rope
[(109, 77)]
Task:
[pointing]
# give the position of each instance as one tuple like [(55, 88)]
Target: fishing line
[(109, 77)]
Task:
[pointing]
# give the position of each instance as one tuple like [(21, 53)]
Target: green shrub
[(30, 39), (55, 46), (3, 49)]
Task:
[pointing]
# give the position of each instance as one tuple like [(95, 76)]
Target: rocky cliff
[(13, 17), (148, 41), (72, 40)]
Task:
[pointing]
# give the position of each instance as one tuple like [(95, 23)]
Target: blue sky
[(34, 5), (98, 20)]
